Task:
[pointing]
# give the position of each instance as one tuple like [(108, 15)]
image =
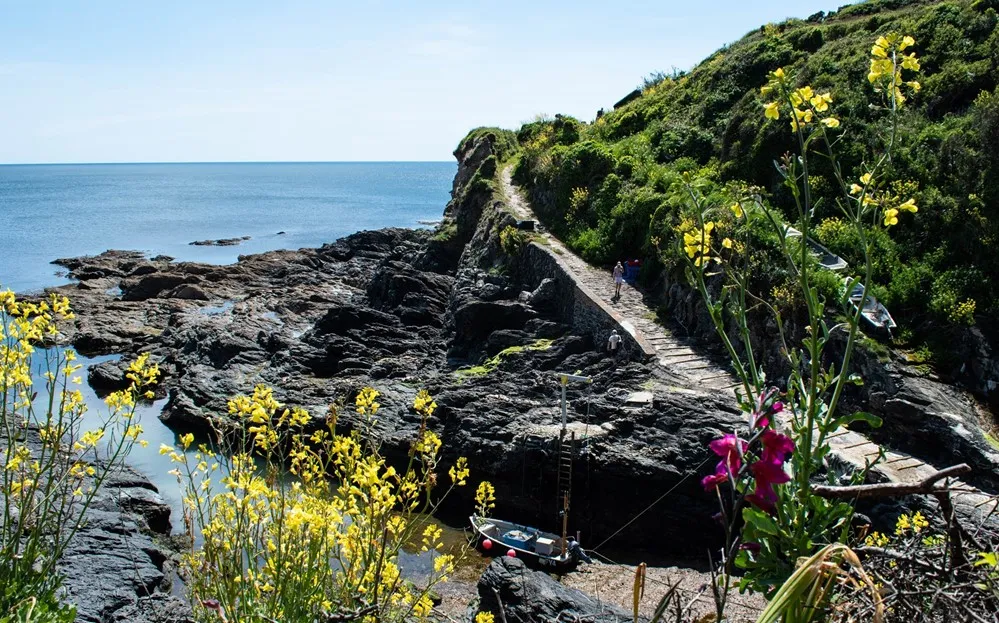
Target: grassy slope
[(597, 184)]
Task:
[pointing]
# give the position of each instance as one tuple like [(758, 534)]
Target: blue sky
[(249, 81)]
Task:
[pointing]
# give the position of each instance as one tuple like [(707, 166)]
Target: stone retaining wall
[(578, 306)]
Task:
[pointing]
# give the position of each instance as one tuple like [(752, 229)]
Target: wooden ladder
[(566, 451)]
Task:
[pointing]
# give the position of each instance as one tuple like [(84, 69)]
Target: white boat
[(545, 549), (874, 316)]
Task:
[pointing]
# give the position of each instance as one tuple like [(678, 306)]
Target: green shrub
[(512, 240), (710, 117)]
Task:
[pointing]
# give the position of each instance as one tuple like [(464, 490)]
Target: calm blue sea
[(51, 211)]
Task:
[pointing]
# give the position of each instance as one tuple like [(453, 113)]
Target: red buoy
[(511, 553), (487, 544)]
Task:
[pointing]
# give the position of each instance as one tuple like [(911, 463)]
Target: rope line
[(660, 499)]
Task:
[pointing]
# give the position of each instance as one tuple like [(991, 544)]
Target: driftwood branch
[(957, 558), (926, 485)]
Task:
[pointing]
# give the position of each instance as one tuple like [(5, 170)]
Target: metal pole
[(565, 381)]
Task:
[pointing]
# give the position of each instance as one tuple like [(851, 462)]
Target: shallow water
[(53, 211)]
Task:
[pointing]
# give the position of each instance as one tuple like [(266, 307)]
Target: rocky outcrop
[(119, 561), (117, 564), (484, 329), (516, 594), (384, 309), (221, 242)]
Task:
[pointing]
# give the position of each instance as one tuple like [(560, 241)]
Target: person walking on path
[(618, 279), (612, 343)]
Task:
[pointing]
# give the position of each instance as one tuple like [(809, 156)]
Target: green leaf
[(763, 522), (991, 559), (860, 416)]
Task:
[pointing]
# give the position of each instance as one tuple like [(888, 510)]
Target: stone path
[(687, 369), (693, 368)]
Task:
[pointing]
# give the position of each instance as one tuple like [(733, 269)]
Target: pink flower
[(767, 475), (776, 447), (769, 470), (758, 420), (760, 417), (713, 480), (730, 449)]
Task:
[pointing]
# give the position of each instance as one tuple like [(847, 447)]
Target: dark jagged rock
[(527, 596), (221, 242), (158, 608), (118, 558)]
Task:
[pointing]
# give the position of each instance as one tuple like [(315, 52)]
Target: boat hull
[(507, 535)]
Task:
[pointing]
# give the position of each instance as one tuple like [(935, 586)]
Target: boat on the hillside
[(546, 549), (874, 316)]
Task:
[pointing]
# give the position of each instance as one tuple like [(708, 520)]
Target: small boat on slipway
[(550, 551), (875, 317), (545, 549)]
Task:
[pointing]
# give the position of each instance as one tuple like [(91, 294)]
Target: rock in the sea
[(528, 596), (221, 242)]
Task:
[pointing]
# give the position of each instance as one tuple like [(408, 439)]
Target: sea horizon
[(58, 210), (178, 162)]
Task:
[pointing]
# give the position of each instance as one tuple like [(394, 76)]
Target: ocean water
[(52, 211)]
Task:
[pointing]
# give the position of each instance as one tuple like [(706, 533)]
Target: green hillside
[(598, 184)]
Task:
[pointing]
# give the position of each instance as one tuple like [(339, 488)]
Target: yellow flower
[(821, 102), (919, 522), (831, 122), (779, 73), (459, 472), (186, 440), (727, 243), (909, 206), (878, 50), (876, 539), (909, 61), (891, 217), (737, 210), (485, 617), (903, 524), (423, 607), (771, 111), (906, 42), (165, 449), (866, 179), (485, 498), (444, 563)]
